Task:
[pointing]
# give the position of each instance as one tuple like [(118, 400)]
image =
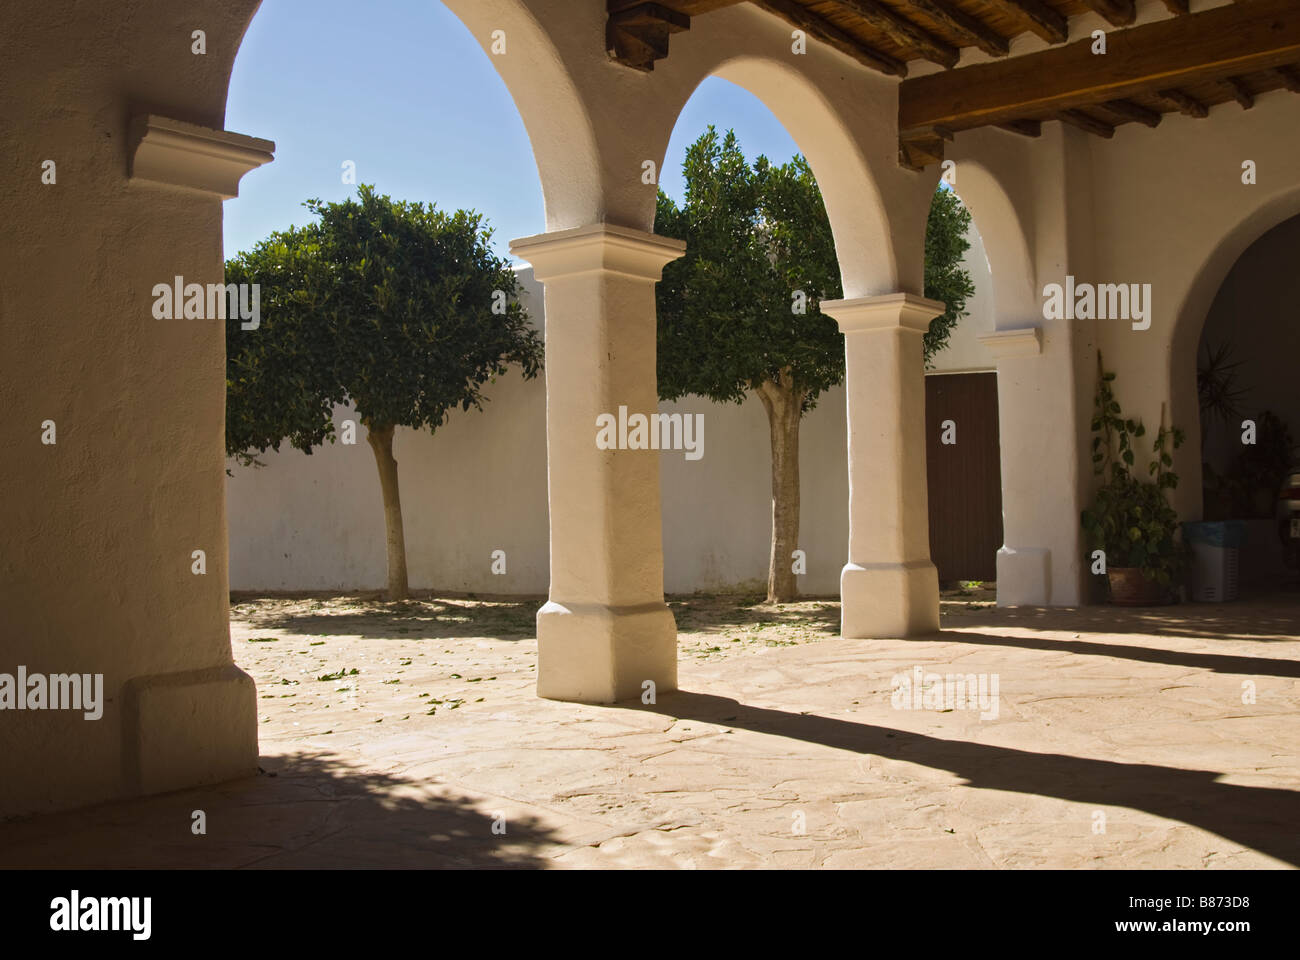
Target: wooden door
[(964, 474)]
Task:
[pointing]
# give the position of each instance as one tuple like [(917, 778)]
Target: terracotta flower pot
[(1130, 588)]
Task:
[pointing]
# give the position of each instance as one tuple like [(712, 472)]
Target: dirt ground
[(409, 735)]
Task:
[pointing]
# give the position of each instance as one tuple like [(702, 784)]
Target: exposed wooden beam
[(902, 31), (690, 8), (963, 25), (1077, 118), (637, 35), (1185, 104), (1290, 78), (1026, 128), (1133, 111), (1240, 92), (918, 153), (919, 147), (1119, 12), (1039, 17), (1160, 56), (1176, 6), (822, 29)]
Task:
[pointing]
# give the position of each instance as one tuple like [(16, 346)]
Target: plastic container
[(1215, 559)]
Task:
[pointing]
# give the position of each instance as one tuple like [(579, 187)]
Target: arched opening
[(858, 216), (1249, 409), (718, 528), (963, 471), (1037, 563), (993, 401), (865, 245), (1269, 212), (316, 522)]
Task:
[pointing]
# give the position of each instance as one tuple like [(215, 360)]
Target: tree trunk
[(784, 406), (381, 441)]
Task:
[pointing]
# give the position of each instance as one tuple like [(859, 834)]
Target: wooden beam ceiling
[(1240, 92), (1157, 63), (819, 28), (636, 33), (882, 34), (1038, 17), (1134, 112), (964, 27), (1290, 78), (1086, 122), (1187, 62), (902, 31), (1119, 12), (1185, 104)]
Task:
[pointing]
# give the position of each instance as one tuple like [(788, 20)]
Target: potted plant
[(1130, 519)]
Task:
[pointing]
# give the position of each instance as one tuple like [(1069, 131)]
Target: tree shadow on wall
[(309, 810)]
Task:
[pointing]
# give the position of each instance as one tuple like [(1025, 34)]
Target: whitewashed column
[(889, 587), (1029, 500), (605, 629)]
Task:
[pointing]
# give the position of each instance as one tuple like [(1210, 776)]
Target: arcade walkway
[(1131, 721)]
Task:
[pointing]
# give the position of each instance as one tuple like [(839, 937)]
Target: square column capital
[(598, 248), (187, 155), (890, 311), (1023, 342)]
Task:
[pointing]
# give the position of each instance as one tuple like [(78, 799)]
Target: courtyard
[(410, 735)]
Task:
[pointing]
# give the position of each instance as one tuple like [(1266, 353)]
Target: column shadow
[(1214, 662), (1264, 819)]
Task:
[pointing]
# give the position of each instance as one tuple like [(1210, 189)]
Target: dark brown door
[(965, 476)]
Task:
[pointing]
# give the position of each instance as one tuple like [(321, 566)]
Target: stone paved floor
[(784, 749)]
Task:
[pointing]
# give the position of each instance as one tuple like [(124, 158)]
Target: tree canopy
[(398, 308), (740, 314)]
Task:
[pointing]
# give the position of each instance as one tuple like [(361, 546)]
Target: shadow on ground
[(1264, 819), (1215, 662), (316, 811), (369, 615), (1275, 616), (730, 612)]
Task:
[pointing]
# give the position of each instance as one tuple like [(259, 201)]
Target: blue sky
[(403, 89)]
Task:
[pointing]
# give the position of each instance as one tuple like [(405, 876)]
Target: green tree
[(738, 314), (398, 308)]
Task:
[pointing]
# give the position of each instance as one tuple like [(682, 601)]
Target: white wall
[(479, 484), (963, 352)]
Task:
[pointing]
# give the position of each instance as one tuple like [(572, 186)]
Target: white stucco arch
[(1007, 237), (857, 214), (1209, 275), (556, 118)]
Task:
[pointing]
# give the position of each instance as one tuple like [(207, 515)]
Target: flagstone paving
[(409, 736)]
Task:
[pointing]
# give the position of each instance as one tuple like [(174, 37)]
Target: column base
[(1024, 576), (883, 600), (590, 653), (188, 729)]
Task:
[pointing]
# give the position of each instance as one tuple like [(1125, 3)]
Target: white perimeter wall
[(479, 485)]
